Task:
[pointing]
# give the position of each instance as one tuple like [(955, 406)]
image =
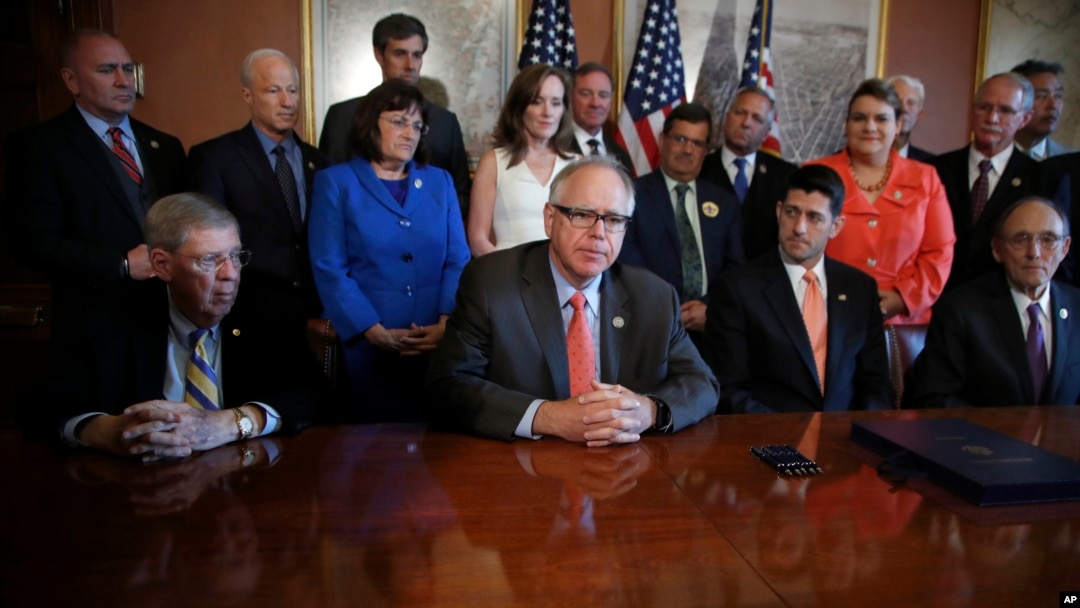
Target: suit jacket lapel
[(369, 182), (253, 155), (836, 305), (90, 148), (1012, 337), (614, 303), (1007, 189), (1060, 316), (785, 307), (542, 306), (656, 189)]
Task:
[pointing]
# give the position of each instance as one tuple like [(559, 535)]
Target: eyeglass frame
[(400, 123), (570, 211), (239, 259), (1047, 241)]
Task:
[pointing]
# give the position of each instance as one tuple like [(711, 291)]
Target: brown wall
[(191, 51), (942, 52)]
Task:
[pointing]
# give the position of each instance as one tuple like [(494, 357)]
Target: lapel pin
[(710, 209), (762, 169), (417, 182), (236, 332), (311, 165), (842, 297), (1016, 182), (618, 322), (1063, 313), (898, 195), (154, 144)]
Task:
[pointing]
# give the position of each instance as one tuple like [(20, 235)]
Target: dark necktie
[(124, 154), (980, 191), (594, 147), (579, 348), (200, 385), (287, 182), (1036, 350), (740, 179), (689, 254)]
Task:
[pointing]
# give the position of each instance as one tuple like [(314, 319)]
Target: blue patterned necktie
[(287, 182), (689, 254), (201, 385), (740, 179)]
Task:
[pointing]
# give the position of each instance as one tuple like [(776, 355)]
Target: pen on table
[(789, 462), (769, 460), (809, 465)]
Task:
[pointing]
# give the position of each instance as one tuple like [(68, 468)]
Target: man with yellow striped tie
[(203, 378)]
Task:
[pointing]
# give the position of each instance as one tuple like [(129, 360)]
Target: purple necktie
[(1036, 350), (980, 190)]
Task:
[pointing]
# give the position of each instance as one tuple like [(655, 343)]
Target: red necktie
[(813, 312), (579, 348), (126, 158)]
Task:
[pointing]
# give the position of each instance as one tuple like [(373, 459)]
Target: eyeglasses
[(989, 108), (400, 123), (580, 218), (682, 140), (1047, 241), (212, 262)]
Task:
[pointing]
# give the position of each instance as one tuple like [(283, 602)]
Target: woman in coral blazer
[(899, 227), (387, 249)]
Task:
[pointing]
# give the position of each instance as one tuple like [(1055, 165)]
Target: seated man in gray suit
[(1007, 338), (556, 338), (795, 331)]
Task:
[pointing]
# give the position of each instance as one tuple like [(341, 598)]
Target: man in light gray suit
[(503, 370)]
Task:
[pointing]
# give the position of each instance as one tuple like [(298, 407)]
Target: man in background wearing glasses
[(1009, 337), (556, 338), (203, 377), (985, 177), (687, 230)]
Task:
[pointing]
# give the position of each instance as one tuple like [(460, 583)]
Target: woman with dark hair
[(387, 249), (899, 228), (533, 139)]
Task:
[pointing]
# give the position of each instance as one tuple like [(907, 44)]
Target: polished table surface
[(397, 515)]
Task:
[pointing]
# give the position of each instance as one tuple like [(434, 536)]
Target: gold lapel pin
[(618, 322), (842, 297), (762, 170), (311, 165), (1016, 182), (1063, 313), (154, 144), (236, 332)]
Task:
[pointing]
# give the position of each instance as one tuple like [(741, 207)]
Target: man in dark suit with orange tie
[(556, 338), (792, 330), (1007, 338), (78, 188), (687, 230), (757, 179), (264, 175)]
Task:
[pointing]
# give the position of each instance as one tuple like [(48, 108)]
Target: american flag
[(654, 85), (757, 66), (550, 36)]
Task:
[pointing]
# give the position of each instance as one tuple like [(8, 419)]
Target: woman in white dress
[(532, 143)]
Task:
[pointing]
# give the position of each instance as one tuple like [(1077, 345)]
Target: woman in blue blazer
[(387, 249)]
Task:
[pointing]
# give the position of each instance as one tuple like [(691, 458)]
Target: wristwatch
[(244, 424)]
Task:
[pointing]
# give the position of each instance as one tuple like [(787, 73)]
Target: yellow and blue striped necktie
[(201, 385)]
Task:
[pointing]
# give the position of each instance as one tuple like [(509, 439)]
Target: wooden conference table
[(399, 516)]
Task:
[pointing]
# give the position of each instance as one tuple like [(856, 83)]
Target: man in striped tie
[(202, 378)]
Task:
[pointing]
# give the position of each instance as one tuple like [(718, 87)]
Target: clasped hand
[(153, 430), (608, 414)]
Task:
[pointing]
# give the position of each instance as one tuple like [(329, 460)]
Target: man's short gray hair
[(171, 219), (592, 160), (247, 76), (1027, 101), (913, 83)]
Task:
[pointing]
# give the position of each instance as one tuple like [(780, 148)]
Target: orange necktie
[(813, 313), (579, 348)]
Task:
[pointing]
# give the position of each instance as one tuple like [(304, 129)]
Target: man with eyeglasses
[(203, 377), (984, 178), (687, 230), (557, 338), (399, 43), (264, 174), (1009, 337)]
